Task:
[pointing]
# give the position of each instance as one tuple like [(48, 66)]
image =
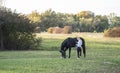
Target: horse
[(69, 43)]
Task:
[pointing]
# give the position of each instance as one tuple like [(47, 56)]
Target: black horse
[(71, 42)]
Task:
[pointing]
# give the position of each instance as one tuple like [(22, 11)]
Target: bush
[(37, 43), (22, 41), (113, 32)]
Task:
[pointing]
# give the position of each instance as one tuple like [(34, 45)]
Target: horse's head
[(63, 54)]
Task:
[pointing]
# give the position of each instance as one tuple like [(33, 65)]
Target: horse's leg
[(65, 52), (78, 52), (69, 52)]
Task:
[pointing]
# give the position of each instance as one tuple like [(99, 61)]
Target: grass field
[(103, 56)]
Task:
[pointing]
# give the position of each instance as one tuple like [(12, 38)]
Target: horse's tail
[(83, 46)]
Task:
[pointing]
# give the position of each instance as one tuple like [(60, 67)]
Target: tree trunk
[(1, 40)]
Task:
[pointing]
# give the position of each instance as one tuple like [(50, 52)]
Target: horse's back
[(69, 42)]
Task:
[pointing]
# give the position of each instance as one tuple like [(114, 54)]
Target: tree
[(47, 19), (34, 16), (52, 19), (100, 23), (85, 19), (1, 23), (16, 31), (85, 14), (114, 20)]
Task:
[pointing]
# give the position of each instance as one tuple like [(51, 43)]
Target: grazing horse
[(73, 42)]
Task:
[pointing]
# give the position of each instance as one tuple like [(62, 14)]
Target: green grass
[(103, 56), (50, 44)]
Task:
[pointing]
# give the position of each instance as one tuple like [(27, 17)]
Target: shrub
[(113, 32), (22, 41), (37, 43)]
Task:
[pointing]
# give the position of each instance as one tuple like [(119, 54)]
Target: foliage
[(114, 20), (100, 23), (85, 14), (34, 16), (15, 31), (84, 21), (113, 32), (50, 18), (47, 19)]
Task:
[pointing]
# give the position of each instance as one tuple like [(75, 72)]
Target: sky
[(102, 7)]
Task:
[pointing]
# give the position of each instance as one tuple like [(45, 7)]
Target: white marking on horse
[(79, 43)]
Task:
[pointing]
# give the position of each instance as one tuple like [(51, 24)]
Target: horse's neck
[(79, 43)]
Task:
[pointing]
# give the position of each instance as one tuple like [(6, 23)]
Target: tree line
[(16, 30), (84, 21)]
